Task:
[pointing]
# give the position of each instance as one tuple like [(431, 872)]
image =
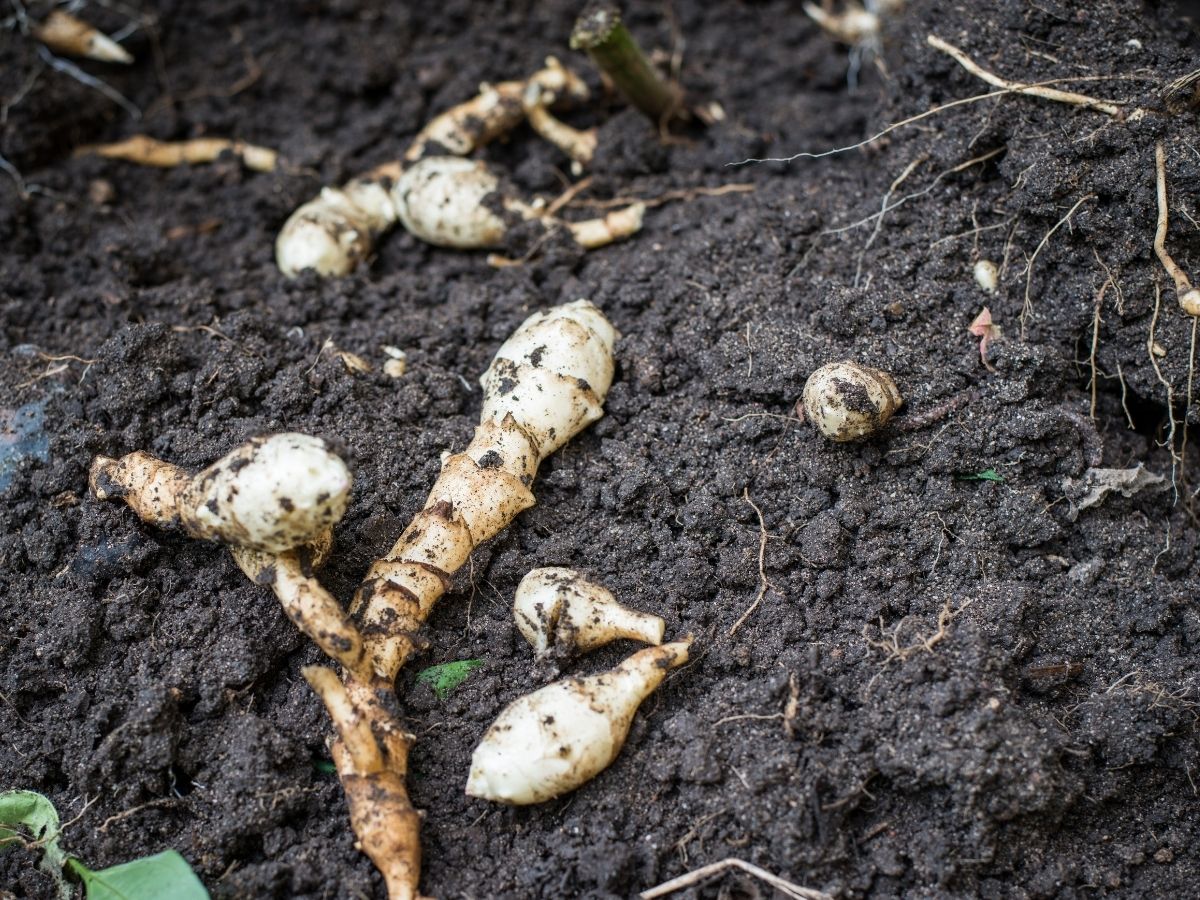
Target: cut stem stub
[(600, 32)]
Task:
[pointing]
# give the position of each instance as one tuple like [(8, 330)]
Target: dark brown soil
[(1045, 746)]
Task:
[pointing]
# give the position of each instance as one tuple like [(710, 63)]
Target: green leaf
[(164, 876), (985, 475), (448, 676), (37, 815)]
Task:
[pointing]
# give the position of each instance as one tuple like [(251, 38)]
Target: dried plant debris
[(1096, 484)]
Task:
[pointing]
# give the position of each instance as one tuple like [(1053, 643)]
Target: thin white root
[(705, 872), (147, 151), (63, 33), (550, 742), (562, 614), (1108, 107), (1188, 296)]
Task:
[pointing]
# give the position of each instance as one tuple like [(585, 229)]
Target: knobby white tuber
[(147, 151), (442, 199), (561, 614), (547, 382), (63, 33), (554, 740), (846, 401), (274, 500)]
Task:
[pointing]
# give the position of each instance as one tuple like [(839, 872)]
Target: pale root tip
[(1189, 302), (106, 49), (310, 245), (97, 475)]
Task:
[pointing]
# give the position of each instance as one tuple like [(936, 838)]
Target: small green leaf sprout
[(29, 819), (446, 678), (985, 475)]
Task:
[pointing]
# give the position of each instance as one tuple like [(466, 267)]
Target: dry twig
[(705, 872)]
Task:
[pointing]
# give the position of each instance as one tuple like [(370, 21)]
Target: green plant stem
[(600, 32)]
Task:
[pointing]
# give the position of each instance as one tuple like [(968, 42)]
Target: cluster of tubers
[(274, 501), (441, 197)]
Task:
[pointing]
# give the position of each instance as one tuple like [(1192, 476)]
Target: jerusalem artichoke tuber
[(547, 382), (561, 613), (274, 500), (554, 740)]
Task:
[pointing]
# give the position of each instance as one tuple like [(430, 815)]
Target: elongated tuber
[(561, 614), (547, 382), (274, 500), (147, 151), (554, 740), (63, 33), (847, 401)]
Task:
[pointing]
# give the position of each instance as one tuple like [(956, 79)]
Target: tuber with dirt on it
[(561, 614), (546, 383), (273, 501), (440, 197), (847, 401), (63, 33), (550, 742)]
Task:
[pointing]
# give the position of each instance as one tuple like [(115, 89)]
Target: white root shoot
[(854, 26), (562, 614), (578, 144), (550, 742), (147, 151), (63, 33), (274, 502), (546, 384)]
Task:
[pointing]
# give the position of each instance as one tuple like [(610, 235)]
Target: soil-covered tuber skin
[(274, 501), (550, 742), (440, 197), (562, 614), (847, 401), (270, 494), (547, 382)]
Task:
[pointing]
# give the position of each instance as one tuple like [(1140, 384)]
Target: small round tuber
[(561, 614), (440, 201), (846, 401), (554, 740), (987, 275)]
